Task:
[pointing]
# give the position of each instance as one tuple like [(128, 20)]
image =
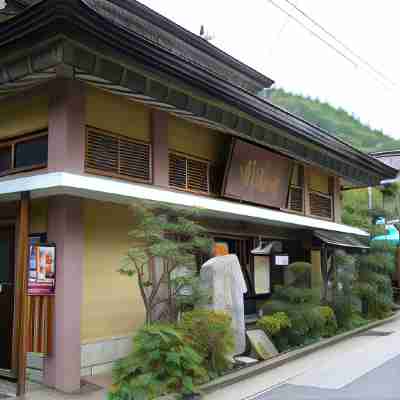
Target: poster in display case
[(42, 269)]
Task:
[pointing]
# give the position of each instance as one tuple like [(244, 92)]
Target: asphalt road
[(362, 367), (382, 383)]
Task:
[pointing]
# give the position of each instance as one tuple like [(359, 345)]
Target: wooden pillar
[(316, 272), (307, 190), (65, 229), (159, 133), (66, 142), (21, 309), (337, 200)]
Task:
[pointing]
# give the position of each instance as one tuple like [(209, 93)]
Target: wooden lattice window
[(118, 156), (321, 205), (187, 173), (296, 189), (296, 199)]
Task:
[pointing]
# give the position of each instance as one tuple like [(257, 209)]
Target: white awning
[(107, 189)]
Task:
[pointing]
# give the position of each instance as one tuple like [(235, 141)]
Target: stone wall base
[(96, 358)]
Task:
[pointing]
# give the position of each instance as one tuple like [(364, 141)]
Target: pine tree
[(164, 238)]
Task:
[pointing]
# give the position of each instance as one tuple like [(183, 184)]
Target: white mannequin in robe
[(223, 277)]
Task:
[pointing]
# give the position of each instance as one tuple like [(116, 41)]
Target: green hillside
[(334, 120)]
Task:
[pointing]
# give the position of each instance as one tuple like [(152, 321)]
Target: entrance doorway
[(7, 295)]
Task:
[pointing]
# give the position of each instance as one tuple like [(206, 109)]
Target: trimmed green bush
[(277, 327), (274, 324), (301, 272), (162, 362), (211, 335), (308, 320), (294, 295), (330, 324)]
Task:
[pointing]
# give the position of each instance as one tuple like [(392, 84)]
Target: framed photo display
[(42, 269)]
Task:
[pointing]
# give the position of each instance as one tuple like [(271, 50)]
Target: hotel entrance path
[(363, 367)]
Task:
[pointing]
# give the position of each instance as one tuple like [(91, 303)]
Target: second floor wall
[(95, 132)]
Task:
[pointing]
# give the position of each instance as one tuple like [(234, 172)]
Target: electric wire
[(377, 75), (344, 45)]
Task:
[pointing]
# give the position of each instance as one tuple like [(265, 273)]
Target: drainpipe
[(369, 198)]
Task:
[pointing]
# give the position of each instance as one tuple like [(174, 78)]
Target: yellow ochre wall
[(117, 115), (319, 181), (112, 305), (196, 140), (24, 114), (38, 216)]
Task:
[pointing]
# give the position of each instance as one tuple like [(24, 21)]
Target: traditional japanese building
[(105, 102)]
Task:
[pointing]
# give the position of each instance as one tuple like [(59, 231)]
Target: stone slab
[(261, 344)]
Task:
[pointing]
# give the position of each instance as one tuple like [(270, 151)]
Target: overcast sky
[(263, 37)]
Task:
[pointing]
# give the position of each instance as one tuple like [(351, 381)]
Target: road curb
[(259, 368)]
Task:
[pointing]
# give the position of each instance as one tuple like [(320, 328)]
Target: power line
[(316, 23), (332, 47), (313, 33), (278, 36)]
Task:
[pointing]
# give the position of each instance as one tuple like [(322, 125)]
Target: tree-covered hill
[(336, 121)]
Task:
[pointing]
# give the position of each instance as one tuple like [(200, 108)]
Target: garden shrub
[(294, 295), (162, 362), (306, 323), (211, 335), (301, 272), (276, 326), (357, 321), (344, 300), (373, 285), (330, 326), (315, 321), (272, 325), (344, 308), (302, 307)]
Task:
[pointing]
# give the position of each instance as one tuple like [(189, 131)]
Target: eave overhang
[(55, 33), (112, 190)]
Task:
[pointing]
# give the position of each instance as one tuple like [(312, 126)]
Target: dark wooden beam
[(21, 290)]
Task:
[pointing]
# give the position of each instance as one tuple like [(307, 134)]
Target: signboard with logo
[(257, 175)]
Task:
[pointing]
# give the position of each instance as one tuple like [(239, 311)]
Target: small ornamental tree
[(165, 238), (343, 299), (374, 271)]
